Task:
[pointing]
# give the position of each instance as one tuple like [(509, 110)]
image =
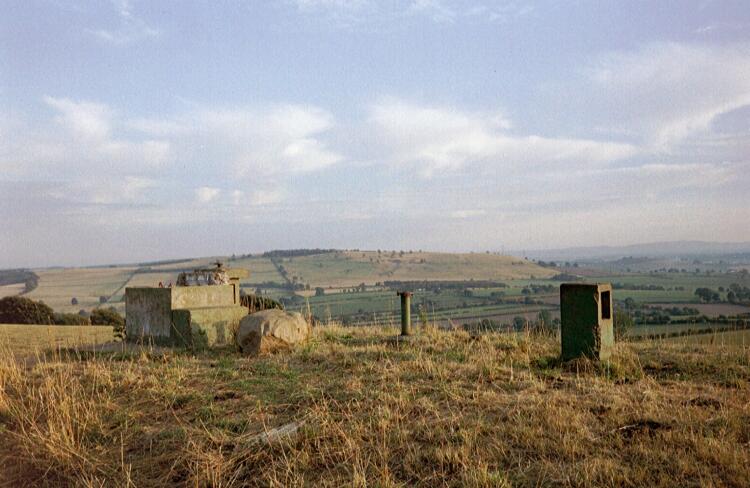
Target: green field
[(739, 338), (341, 273)]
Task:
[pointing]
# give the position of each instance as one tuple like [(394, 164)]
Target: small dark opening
[(606, 305)]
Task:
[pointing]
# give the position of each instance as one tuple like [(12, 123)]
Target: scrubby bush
[(256, 303), (623, 322), (106, 316), (22, 310), (71, 319)]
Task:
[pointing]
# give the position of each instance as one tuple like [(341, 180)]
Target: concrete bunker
[(203, 310), (587, 328)]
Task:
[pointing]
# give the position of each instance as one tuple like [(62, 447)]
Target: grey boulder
[(271, 331)]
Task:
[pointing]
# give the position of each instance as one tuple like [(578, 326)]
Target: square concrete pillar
[(587, 320)]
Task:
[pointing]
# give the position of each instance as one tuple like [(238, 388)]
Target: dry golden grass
[(26, 340), (447, 409)]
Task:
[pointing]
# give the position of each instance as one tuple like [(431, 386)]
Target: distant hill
[(654, 249), (105, 285)]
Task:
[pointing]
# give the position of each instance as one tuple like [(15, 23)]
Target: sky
[(142, 130)]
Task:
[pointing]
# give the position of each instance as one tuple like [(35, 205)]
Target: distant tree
[(106, 316), (544, 323), (31, 283), (102, 299), (74, 301), (707, 295), (319, 291), (731, 297), (71, 319), (83, 313), (519, 322), (22, 310)]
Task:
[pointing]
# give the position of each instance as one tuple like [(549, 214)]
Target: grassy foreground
[(447, 409)]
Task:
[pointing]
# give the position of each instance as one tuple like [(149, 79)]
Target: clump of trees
[(707, 295), (738, 293), (29, 279), (634, 286), (22, 310)]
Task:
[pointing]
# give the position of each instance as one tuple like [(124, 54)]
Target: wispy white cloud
[(267, 197), (437, 139), (466, 214), (357, 12), (81, 138), (206, 194), (668, 92), (436, 10), (88, 120), (130, 28), (252, 143)]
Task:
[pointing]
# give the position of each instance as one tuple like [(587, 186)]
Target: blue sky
[(135, 130)]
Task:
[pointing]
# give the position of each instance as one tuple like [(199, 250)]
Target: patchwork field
[(711, 309), (447, 409), (57, 287), (350, 268), (11, 290), (343, 275)]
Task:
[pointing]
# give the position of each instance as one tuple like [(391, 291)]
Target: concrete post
[(405, 312), (587, 320)]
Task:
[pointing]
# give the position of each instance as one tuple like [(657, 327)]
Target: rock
[(271, 331)]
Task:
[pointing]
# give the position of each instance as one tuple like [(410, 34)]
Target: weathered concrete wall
[(587, 320), (194, 316), (202, 296), (206, 327), (148, 312)]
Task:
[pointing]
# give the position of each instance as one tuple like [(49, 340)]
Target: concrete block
[(586, 313), (148, 312), (199, 328)]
